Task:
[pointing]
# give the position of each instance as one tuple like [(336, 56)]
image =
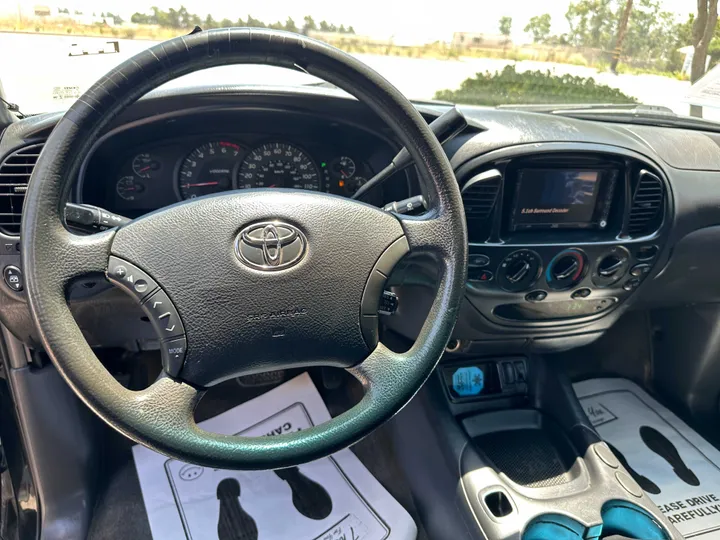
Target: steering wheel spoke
[(427, 233), (86, 254)]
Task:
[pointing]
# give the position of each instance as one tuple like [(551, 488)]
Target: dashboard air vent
[(479, 197), (15, 173), (647, 203)]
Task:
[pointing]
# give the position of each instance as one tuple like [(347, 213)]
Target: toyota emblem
[(270, 245)]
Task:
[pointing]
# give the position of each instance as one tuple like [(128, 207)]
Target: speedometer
[(278, 165)]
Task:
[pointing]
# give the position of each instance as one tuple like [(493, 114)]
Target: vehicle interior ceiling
[(622, 285)]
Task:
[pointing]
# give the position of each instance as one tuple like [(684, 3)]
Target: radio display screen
[(557, 198)]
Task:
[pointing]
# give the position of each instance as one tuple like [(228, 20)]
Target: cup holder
[(627, 519), (619, 518), (554, 527)]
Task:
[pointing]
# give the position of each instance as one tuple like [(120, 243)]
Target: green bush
[(531, 87)]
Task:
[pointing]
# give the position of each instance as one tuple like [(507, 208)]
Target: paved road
[(34, 67)]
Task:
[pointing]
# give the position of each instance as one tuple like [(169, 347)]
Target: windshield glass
[(522, 52)]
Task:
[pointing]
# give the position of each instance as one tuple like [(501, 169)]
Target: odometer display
[(278, 165), (208, 169)]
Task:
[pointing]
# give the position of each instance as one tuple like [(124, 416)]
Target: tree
[(505, 27), (290, 25), (350, 30), (226, 23), (309, 25), (703, 30), (592, 23), (255, 23), (324, 26), (702, 33), (539, 27)]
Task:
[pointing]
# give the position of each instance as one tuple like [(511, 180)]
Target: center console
[(560, 237), (500, 448)]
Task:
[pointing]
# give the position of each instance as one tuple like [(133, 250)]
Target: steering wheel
[(247, 281)]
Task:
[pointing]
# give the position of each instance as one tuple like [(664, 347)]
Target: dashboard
[(192, 153), (571, 223)]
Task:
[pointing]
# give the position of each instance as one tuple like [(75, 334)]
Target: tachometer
[(208, 169), (278, 165)]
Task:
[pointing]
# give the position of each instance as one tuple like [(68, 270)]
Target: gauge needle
[(343, 173), (146, 168), (202, 184)]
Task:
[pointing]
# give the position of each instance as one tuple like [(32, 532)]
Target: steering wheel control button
[(392, 255), (13, 278), (611, 267), (130, 278), (519, 271), (369, 329), (536, 296), (173, 355), (639, 270), (373, 289), (478, 260), (163, 315), (375, 285), (581, 293)]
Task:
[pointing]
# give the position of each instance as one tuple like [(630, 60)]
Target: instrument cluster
[(148, 176)]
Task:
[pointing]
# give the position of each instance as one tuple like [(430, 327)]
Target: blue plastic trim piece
[(622, 517), (554, 527)]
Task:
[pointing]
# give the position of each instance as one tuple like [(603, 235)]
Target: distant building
[(42, 11), (468, 40), (50, 13)]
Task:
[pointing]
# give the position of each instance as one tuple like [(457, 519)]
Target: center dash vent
[(647, 202), (15, 173), (479, 196)]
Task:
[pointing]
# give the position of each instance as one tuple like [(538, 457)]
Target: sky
[(411, 20)]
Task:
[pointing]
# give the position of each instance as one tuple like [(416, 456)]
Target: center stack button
[(520, 270)]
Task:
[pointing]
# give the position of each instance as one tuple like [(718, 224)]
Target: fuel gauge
[(342, 168)]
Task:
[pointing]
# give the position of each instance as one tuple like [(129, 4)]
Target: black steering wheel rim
[(161, 417)]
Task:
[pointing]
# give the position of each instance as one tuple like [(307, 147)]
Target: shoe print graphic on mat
[(309, 497), (234, 523), (643, 481), (661, 445)]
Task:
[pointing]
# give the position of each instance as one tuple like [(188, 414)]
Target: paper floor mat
[(335, 498), (678, 469)]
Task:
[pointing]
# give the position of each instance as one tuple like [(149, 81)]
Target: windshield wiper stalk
[(444, 127)]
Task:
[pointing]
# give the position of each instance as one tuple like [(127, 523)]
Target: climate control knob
[(566, 269), (611, 267), (519, 270)]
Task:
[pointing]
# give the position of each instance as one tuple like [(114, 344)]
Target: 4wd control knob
[(611, 267), (519, 270)]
